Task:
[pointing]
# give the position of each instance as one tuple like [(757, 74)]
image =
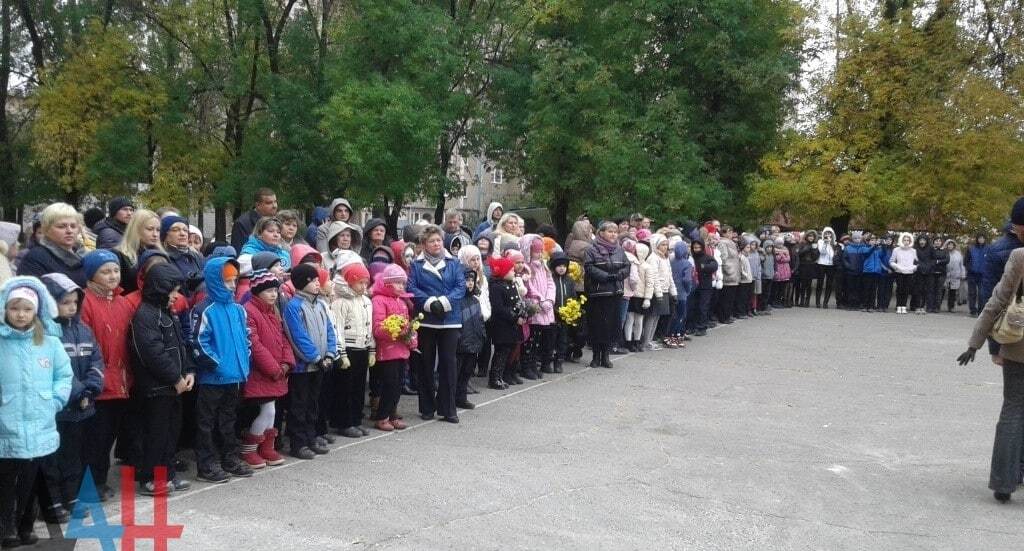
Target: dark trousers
[(825, 284), (855, 291), (727, 302), (327, 402), (540, 349), (884, 292), (17, 506), (809, 273), (904, 284), (744, 299), (390, 375), (483, 359), (562, 338), (63, 469), (871, 284), (767, 286), (102, 429), (677, 326), (303, 408), (919, 293), (499, 361), (951, 295), (216, 408), (935, 292), (466, 367), (703, 305), (350, 390), (974, 294), (439, 347), (1006, 451), (161, 423)]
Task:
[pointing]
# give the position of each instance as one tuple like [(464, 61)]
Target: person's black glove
[(193, 282), (966, 357), (437, 308)]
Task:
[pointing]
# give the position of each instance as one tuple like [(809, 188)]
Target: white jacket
[(352, 317), (904, 259), (659, 272)]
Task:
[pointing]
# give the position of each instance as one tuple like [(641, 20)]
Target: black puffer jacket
[(159, 357), (473, 334), (109, 233), (941, 261), (925, 257), (808, 252), (705, 265), (604, 273)]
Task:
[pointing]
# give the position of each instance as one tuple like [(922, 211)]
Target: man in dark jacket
[(941, 256), (110, 230), (974, 260), (264, 204)]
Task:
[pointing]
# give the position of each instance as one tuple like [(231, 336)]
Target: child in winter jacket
[(705, 266), (540, 298), (471, 339), (640, 288), (36, 378), (272, 359), (108, 314), (767, 276), (163, 371), (316, 348), (565, 289), (395, 335), (903, 263), (955, 273), (745, 295), (783, 273), (663, 289), (63, 470), (222, 355), (508, 314), (754, 254), (683, 277), (352, 317)]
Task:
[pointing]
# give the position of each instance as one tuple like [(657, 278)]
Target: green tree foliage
[(913, 131)]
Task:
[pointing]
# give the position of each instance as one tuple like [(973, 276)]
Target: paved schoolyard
[(806, 430)]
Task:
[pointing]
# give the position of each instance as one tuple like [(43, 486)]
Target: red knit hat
[(355, 272), (500, 267)]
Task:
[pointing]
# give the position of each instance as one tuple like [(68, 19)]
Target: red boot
[(267, 451), (249, 444)]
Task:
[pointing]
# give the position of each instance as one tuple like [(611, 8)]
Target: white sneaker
[(654, 346)]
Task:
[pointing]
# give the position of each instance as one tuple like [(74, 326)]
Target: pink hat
[(643, 234)]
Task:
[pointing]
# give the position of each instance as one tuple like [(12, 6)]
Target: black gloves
[(437, 308), (966, 357)]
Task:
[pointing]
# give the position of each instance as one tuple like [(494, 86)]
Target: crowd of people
[(131, 334)]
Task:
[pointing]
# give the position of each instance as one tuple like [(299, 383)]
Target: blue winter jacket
[(854, 256), (447, 286), (995, 263), (35, 380), (220, 345), (682, 270), (81, 347), (877, 262), (977, 256), (310, 330), (256, 245)]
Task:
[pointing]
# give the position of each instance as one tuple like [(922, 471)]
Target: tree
[(911, 133)]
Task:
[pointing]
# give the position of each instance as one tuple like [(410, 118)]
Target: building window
[(497, 176)]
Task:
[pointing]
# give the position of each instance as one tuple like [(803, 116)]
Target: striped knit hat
[(263, 280)]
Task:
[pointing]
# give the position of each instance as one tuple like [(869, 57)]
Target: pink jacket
[(540, 288), (385, 303), (783, 272)]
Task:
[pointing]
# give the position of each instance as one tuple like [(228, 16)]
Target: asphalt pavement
[(809, 429)]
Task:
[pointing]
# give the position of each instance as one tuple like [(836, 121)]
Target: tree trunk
[(33, 34), (840, 223), (220, 227), (560, 216), (7, 176), (392, 217)]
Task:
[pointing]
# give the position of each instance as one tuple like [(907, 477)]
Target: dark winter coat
[(941, 261), (808, 253), (43, 259), (85, 355), (925, 258), (975, 259), (474, 331), (507, 309), (109, 233), (159, 354), (604, 272), (242, 228)]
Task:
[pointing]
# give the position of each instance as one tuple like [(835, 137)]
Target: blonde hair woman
[(142, 232), (59, 249)]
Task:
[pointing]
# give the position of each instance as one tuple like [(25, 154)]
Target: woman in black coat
[(605, 267), (59, 250)]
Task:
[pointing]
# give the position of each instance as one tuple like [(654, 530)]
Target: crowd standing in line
[(136, 337)]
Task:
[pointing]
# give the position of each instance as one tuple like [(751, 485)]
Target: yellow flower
[(395, 325), (575, 271), (572, 311)]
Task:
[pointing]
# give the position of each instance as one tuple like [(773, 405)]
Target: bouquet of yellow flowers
[(572, 311), (575, 271), (400, 326)]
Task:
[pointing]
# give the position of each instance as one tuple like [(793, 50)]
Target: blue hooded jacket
[(320, 215), (35, 380), (877, 262), (682, 270), (221, 343), (977, 255), (256, 245), (83, 351)]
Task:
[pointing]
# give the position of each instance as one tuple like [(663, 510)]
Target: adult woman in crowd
[(58, 250), (174, 236), (510, 229), (375, 234), (292, 229), (141, 233), (438, 285), (605, 267)]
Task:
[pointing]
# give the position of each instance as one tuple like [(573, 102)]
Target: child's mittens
[(372, 360)]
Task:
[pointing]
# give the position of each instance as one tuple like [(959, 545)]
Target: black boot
[(595, 357), (494, 379), (511, 377), (606, 360)]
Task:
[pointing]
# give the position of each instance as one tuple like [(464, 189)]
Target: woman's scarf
[(72, 259)]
